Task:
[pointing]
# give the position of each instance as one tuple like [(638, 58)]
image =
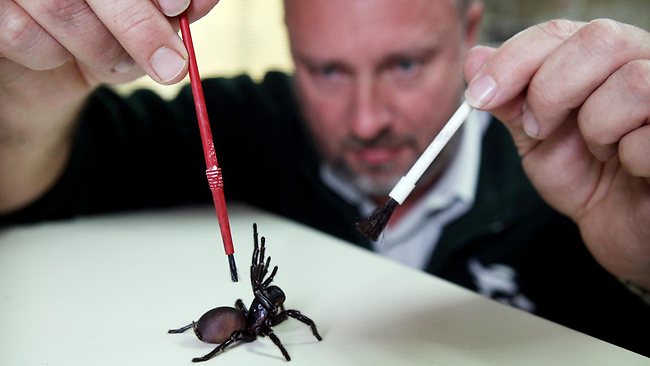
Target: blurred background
[(248, 36)]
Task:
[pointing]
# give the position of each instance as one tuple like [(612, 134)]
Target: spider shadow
[(290, 333), (266, 350)]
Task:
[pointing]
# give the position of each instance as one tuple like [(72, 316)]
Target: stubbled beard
[(375, 180), (369, 186), (380, 185)]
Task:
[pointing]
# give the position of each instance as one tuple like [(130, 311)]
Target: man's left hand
[(576, 99)]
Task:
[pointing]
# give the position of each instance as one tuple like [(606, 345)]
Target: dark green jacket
[(144, 152)]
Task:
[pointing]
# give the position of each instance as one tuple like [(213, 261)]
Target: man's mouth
[(377, 155)]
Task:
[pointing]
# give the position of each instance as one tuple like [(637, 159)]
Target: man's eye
[(328, 71), (406, 67)]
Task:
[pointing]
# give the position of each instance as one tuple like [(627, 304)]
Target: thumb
[(475, 59), (510, 112)]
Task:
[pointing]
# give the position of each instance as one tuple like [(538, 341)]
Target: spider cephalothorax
[(226, 325)]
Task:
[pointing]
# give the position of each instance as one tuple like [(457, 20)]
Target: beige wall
[(248, 35), (237, 36), (506, 17)]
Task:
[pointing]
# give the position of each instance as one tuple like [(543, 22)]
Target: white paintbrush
[(374, 224)]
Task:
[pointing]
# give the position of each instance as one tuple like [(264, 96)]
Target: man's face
[(377, 80)]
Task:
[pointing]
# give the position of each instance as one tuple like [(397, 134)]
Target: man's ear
[(473, 17)]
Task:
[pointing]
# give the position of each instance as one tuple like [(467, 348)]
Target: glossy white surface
[(105, 290)]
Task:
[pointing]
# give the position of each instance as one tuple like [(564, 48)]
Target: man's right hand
[(108, 41), (53, 53)]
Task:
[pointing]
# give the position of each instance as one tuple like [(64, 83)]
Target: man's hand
[(576, 99), (53, 53), (105, 39)]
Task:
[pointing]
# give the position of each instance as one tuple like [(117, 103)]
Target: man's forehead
[(344, 25), (327, 14), (346, 5)]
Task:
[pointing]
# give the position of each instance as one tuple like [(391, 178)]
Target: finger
[(163, 62), (76, 27), (508, 72), (475, 58), (196, 8), (576, 69), (172, 8), (510, 113), (25, 42), (618, 107), (147, 36), (634, 150)]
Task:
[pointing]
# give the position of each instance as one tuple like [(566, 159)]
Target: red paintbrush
[(215, 179)]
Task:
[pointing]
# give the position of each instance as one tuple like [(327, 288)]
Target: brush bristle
[(233, 268), (373, 225)]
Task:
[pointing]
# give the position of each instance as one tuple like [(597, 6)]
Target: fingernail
[(529, 122), (124, 66), (167, 63), (172, 8), (480, 91)]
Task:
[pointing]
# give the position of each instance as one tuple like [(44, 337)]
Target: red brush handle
[(213, 173)]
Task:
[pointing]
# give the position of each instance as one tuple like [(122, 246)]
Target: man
[(375, 80)]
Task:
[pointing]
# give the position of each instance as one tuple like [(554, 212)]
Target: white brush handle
[(406, 184)]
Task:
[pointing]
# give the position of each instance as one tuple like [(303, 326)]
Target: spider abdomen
[(218, 324)]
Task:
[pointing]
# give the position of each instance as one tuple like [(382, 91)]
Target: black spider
[(226, 325)]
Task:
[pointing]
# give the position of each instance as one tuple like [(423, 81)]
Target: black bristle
[(373, 225), (233, 268)]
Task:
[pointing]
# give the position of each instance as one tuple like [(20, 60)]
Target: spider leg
[(239, 304), (181, 329), (255, 258), (267, 264), (255, 265), (268, 280), (262, 250), (235, 337), (276, 341), (260, 266), (282, 316), (277, 319), (253, 276), (256, 245)]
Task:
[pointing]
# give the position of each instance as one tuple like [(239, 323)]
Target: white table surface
[(105, 290)]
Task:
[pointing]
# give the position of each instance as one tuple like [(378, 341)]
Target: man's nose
[(369, 110)]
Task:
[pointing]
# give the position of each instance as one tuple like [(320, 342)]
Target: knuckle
[(636, 76), (24, 41), (17, 32), (559, 28), (77, 16), (132, 20), (66, 11), (603, 38)]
